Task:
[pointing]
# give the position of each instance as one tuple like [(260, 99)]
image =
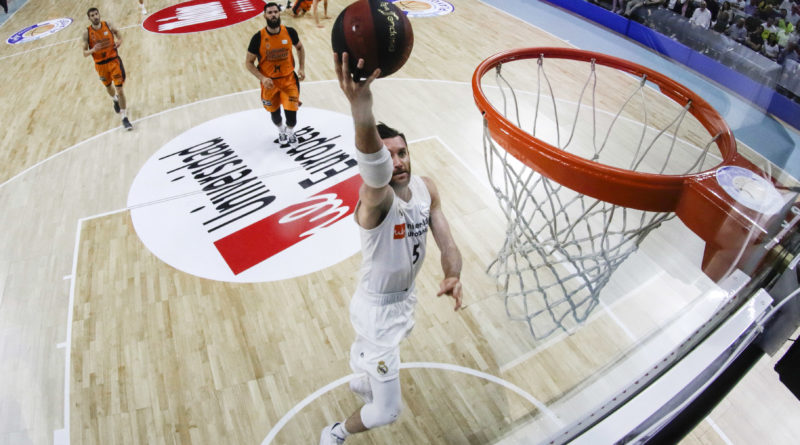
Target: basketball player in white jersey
[(394, 213)]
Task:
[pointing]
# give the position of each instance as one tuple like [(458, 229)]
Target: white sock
[(115, 98), (340, 431), (282, 128), (124, 113)]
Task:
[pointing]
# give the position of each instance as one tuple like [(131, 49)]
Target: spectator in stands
[(754, 40), (770, 27), (792, 52), (783, 37), (737, 32), (633, 5), (794, 37), (678, 6), (701, 16), (765, 9), (713, 6), (618, 6), (752, 8), (784, 22), (771, 47), (739, 4), (793, 14), (786, 4), (724, 18)]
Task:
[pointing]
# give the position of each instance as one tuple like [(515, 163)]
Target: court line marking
[(51, 45), (719, 431), (411, 365), (64, 432)]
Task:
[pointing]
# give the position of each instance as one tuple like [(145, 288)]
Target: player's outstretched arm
[(451, 256), (374, 161)]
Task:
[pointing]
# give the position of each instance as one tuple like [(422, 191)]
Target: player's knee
[(374, 414), (276, 116)]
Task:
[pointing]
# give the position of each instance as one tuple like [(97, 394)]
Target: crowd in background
[(769, 27)]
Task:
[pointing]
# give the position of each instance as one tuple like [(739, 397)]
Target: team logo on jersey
[(424, 8), (224, 201), (382, 368), (400, 231), (202, 15), (39, 30)]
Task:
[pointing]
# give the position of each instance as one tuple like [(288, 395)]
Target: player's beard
[(274, 23)]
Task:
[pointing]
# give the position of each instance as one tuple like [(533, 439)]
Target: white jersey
[(382, 308), (393, 251)]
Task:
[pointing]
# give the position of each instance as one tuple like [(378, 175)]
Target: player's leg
[(117, 70), (271, 100), (384, 409), (290, 101), (123, 110), (141, 5), (382, 368)]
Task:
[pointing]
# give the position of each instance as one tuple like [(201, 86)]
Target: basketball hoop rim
[(644, 191)]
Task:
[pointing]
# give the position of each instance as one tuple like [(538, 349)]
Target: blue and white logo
[(39, 30), (424, 8), (749, 189)]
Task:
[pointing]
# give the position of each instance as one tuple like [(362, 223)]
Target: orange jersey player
[(101, 41), (301, 7), (271, 60)]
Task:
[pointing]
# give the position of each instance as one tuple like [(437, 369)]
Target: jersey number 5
[(415, 253)]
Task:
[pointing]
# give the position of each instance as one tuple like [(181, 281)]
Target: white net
[(562, 247)]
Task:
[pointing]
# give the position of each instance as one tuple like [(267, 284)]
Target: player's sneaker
[(292, 138), (360, 386), (328, 438), (283, 138), (116, 106), (127, 124)]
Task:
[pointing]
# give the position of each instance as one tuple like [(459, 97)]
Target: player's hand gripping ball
[(376, 31)]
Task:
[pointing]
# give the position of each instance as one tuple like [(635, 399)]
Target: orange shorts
[(111, 70), (285, 92)]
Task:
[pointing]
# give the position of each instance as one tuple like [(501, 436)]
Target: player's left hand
[(451, 286), (301, 74)]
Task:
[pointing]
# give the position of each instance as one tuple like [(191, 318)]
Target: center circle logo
[(202, 15), (424, 8), (224, 201), (39, 30)]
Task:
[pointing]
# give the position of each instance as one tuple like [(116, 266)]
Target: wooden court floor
[(155, 355)]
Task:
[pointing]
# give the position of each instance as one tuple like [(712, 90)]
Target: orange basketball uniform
[(276, 61), (302, 5), (106, 61)]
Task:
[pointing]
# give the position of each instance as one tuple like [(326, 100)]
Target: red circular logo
[(202, 15)]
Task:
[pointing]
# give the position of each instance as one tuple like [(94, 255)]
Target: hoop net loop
[(572, 218), (640, 190)]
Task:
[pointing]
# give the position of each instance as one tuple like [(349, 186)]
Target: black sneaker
[(127, 124), (116, 106)]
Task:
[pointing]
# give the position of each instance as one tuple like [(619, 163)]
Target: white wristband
[(375, 168)]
